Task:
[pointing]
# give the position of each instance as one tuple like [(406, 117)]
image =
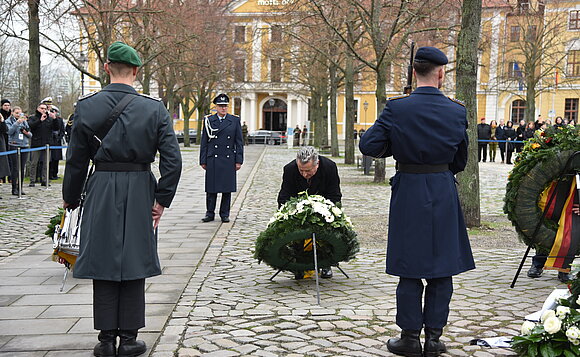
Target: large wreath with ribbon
[(286, 244), (536, 184)]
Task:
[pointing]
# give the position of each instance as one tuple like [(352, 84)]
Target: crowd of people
[(509, 139), (18, 130)]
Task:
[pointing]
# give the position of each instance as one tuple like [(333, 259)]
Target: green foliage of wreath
[(54, 221), (542, 160), (281, 244)]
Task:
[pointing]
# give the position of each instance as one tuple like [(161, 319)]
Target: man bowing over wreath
[(426, 133), (221, 154)]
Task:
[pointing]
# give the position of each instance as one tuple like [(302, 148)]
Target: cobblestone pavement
[(231, 308)]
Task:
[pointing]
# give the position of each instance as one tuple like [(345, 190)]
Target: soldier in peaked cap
[(221, 155), (124, 202), (426, 133)]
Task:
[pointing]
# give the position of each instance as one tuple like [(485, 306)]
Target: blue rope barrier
[(4, 153)]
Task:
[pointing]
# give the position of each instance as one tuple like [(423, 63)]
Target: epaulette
[(150, 97), (87, 95), (456, 101), (398, 97)]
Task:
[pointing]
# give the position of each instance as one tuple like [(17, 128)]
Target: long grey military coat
[(117, 238)]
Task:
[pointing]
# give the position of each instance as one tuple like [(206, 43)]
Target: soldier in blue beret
[(426, 133), (124, 202), (221, 154)]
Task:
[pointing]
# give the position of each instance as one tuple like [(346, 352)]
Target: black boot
[(107, 346), (433, 347), (408, 345), (129, 346)]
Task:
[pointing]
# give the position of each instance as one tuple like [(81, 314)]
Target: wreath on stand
[(284, 244), (542, 161)]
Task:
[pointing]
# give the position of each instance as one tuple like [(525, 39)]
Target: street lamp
[(59, 99), (365, 106), (271, 101), (83, 61)]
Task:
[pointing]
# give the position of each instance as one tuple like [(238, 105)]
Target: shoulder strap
[(113, 116)]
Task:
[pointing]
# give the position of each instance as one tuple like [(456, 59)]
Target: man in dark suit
[(426, 133), (124, 202), (312, 173), (500, 135), (483, 133), (221, 154)]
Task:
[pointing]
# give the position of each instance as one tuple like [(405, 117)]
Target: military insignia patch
[(398, 97), (150, 97), (456, 101), (87, 95)]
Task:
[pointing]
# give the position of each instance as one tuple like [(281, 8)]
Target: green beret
[(123, 53)]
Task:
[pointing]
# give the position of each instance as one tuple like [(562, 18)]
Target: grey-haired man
[(312, 173)]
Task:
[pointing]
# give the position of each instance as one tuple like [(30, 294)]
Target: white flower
[(272, 220), (300, 207), (547, 314), (527, 327), (337, 211), (329, 218), (562, 311), (573, 333), (552, 325), (578, 300), (347, 219), (320, 209), (575, 342)]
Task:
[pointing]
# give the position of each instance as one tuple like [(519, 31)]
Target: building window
[(240, 34), (514, 70), (276, 34), (240, 70), (237, 106), (571, 109), (515, 34), (574, 23), (276, 70), (573, 66), (532, 33), (518, 108), (523, 5)]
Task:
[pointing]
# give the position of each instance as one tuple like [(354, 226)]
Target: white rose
[(337, 211), (552, 325), (562, 311), (527, 327), (573, 333), (547, 314)]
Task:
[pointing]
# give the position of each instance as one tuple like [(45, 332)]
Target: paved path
[(37, 320), (214, 299)]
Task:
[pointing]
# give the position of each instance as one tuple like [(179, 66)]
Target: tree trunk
[(350, 110), (315, 116), (530, 111), (324, 115), (187, 112), (33, 56), (335, 151), (381, 94), (466, 86)]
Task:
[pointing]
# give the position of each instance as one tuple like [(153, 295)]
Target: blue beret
[(432, 55), (123, 53), (221, 99)]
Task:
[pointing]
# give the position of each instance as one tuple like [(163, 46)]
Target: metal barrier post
[(19, 168), (46, 165)]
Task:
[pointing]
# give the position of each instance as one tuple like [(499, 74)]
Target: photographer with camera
[(18, 136), (56, 140), (41, 124)]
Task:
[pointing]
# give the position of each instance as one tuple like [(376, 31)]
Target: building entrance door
[(274, 114)]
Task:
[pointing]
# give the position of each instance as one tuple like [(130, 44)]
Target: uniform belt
[(422, 169), (121, 166)]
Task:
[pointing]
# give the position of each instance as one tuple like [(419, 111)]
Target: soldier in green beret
[(124, 202)]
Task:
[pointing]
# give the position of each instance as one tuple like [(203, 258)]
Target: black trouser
[(211, 200), (539, 261), (13, 159), (502, 151), (412, 314), (482, 147), (53, 169), (508, 155), (119, 304)]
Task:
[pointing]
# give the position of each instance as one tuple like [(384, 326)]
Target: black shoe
[(565, 277), (107, 345), (433, 347), (207, 219), (44, 184), (31, 184), (15, 192), (326, 273), (535, 272), (225, 219), (129, 346), (299, 275), (408, 345)]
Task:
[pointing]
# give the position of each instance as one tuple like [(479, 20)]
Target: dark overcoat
[(427, 234), (221, 152), (56, 139), (117, 238), (4, 165)]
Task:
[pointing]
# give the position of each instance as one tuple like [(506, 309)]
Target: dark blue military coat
[(222, 146), (427, 234), (117, 238)]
